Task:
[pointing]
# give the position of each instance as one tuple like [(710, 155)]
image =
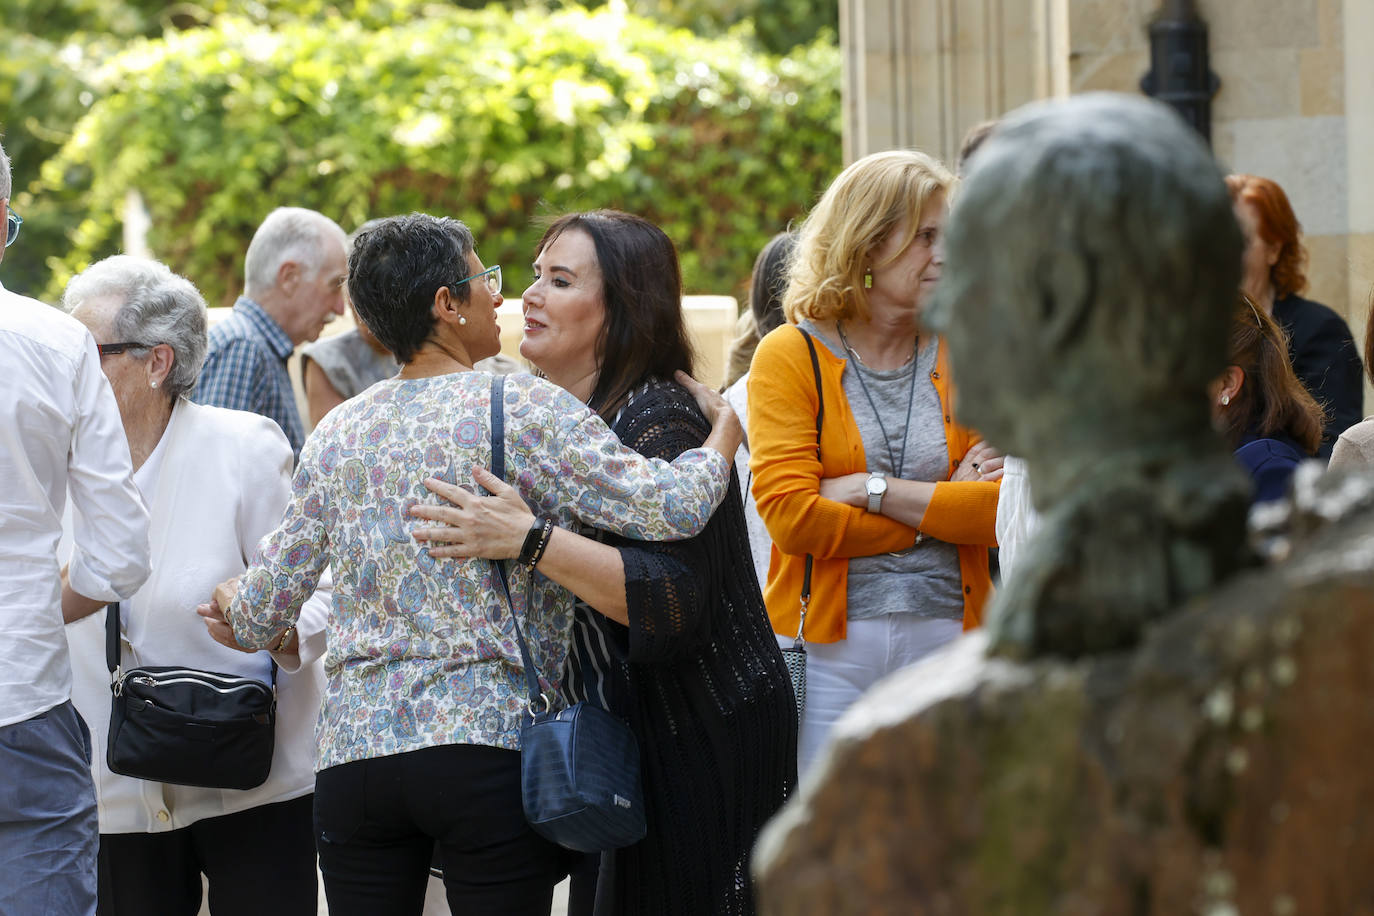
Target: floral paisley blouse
[(422, 652)]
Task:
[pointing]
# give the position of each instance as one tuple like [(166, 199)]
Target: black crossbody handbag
[(186, 726), (579, 766)]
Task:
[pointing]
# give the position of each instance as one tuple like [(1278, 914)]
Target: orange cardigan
[(782, 443)]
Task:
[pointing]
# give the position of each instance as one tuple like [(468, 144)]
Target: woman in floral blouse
[(673, 638), (419, 727)]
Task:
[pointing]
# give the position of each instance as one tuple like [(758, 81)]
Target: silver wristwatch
[(876, 487)]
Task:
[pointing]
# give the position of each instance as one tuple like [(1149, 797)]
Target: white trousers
[(838, 673)]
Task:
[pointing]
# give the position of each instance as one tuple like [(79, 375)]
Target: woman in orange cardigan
[(899, 508)]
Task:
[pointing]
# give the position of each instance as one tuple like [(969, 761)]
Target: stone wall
[(1296, 101), (1289, 102)]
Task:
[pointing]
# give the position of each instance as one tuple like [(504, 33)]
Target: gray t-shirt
[(924, 580)]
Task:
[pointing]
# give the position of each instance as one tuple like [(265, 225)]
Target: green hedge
[(496, 117)]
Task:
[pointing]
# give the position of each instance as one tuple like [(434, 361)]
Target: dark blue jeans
[(48, 826), (377, 823)]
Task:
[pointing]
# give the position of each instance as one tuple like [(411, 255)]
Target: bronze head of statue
[(1092, 260)]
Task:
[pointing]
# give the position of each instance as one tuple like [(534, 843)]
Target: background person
[(59, 436), (1320, 347), (216, 480), (294, 274), (672, 637), (419, 730), (1355, 447), (338, 367), (766, 285), (1268, 418), (898, 511), (1017, 517), (766, 288)]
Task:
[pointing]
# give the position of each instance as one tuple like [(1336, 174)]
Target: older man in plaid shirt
[(294, 275)]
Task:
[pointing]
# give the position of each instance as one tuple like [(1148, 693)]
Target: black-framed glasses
[(493, 275), (115, 349), (12, 223)]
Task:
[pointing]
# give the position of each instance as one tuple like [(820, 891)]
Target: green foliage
[(58, 19), (778, 25), (492, 116), (43, 92)]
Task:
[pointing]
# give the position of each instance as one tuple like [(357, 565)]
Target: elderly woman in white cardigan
[(215, 481)]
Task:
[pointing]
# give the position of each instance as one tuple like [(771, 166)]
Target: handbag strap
[(800, 641), (112, 645), (498, 469), (112, 636)]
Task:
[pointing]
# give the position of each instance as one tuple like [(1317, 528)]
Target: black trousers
[(377, 822), (258, 862)]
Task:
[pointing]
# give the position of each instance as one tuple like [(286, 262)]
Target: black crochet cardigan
[(699, 677)]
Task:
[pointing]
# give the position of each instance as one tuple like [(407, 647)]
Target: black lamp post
[(1179, 72)]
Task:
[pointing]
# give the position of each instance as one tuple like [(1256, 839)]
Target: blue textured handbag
[(579, 766)]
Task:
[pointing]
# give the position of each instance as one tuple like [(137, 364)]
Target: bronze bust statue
[(1092, 260)]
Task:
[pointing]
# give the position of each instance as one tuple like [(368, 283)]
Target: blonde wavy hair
[(857, 213)]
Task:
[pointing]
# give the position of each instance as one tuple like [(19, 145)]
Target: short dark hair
[(397, 266), (645, 334)]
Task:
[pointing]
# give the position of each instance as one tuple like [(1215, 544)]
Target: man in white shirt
[(60, 432)]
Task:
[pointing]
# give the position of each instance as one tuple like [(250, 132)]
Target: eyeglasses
[(116, 348), (493, 275), (12, 223)]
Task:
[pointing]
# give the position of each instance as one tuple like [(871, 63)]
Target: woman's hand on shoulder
[(981, 462), (492, 527), (726, 432), (712, 403)]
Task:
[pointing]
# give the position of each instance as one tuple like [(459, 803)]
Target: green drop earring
[(868, 279)]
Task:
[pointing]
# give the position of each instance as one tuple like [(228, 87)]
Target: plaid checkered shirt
[(245, 369)]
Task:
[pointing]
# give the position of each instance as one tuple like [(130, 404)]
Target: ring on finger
[(975, 465)]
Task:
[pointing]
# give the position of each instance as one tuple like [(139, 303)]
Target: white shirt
[(1017, 519), (60, 433), (760, 543), (216, 482)]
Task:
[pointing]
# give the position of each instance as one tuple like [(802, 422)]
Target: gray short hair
[(288, 234), (5, 186), (158, 307)]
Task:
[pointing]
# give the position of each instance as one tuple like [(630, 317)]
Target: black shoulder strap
[(112, 636), (498, 469), (820, 397), (498, 426), (820, 417)]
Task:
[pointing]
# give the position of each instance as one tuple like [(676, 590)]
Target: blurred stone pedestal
[(1222, 768)]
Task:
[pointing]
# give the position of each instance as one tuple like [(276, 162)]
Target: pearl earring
[(1225, 399), (154, 384), (462, 319)]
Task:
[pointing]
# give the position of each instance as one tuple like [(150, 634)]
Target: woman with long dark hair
[(672, 637), (1268, 417)]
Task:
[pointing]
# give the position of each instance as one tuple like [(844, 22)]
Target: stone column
[(1359, 159), (919, 73)]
